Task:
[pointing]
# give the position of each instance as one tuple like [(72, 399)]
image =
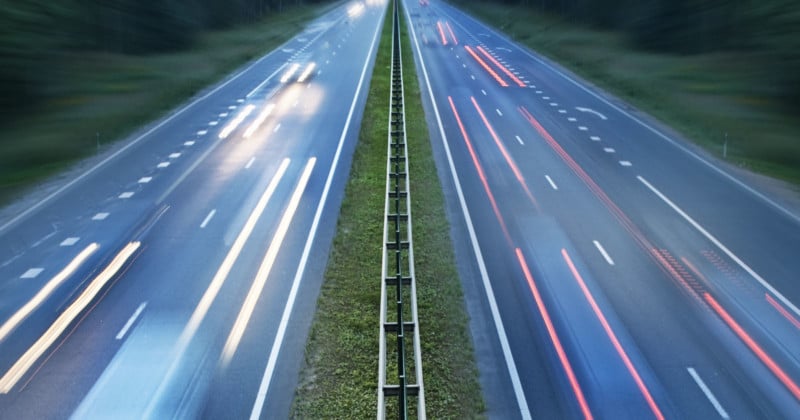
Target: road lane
[(201, 178), (580, 159)]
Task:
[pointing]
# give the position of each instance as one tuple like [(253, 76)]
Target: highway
[(611, 270), (177, 275)]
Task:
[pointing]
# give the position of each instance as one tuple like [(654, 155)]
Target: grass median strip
[(97, 98), (339, 379), (713, 99)]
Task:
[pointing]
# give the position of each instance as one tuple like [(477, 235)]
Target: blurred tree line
[(34, 33), (766, 30)]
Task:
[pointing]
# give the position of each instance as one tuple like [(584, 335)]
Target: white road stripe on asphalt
[(130, 322), (208, 218), (603, 252), (552, 184), (710, 395)]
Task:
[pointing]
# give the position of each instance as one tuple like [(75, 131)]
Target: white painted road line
[(582, 128), (484, 92), (511, 367), (202, 132), (32, 273), (609, 150), (213, 123), (126, 194), (603, 252), (498, 112), (130, 322), (174, 155), (710, 395), (552, 184), (188, 143), (277, 127), (472, 76), (162, 165), (249, 304), (208, 218), (572, 119), (595, 138), (625, 163), (100, 216), (70, 241), (250, 163), (145, 179), (562, 111), (520, 140), (722, 247)]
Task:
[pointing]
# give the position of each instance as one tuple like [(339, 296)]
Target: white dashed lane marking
[(188, 143), (174, 155), (609, 149), (498, 112), (595, 138), (163, 164), (32, 273), (100, 216), (145, 179), (603, 252), (625, 163), (550, 181), (70, 241), (126, 194)]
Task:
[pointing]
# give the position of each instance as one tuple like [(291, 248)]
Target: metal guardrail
[(398, 285)]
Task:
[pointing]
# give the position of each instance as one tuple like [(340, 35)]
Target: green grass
[(340, 376), (706, 97), (113, 94)]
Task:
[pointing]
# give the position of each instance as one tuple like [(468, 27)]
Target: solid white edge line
[(722, 247), (263, 388), (552, 184), (710, 395), (130, 322), (603, 252), (498, 322), (707, 163), (208, 218)]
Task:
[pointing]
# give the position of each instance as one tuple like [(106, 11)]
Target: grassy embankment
[(97, 98), (706, 97), (341, 372)]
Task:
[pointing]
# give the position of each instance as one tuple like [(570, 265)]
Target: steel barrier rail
[(398, 259)]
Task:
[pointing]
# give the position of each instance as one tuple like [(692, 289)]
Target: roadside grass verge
[(97, 98), (709, 98), (339, 379)]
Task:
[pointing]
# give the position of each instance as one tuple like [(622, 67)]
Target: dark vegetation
[(767, 31)]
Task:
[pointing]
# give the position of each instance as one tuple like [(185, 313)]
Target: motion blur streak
[(61, 323), (441, 32), (40, 297), (754, 347), (479, 168), (452, 34), (236, 121), (486, 67), (222, 274), (505, 70), (505, 153), (266, 266), (562, 356), (613, 337), (259, 120), (782, 311)]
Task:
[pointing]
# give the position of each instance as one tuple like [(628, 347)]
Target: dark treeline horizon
[(766, 32), (35, 34)]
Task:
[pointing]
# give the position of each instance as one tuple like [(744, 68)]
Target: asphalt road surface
[(178, 276), (610, 270)]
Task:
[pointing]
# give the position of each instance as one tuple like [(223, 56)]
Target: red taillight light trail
[(551, 331), (486, 67), (753, 346), (479, 168), (613, 337), (503, 68)]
